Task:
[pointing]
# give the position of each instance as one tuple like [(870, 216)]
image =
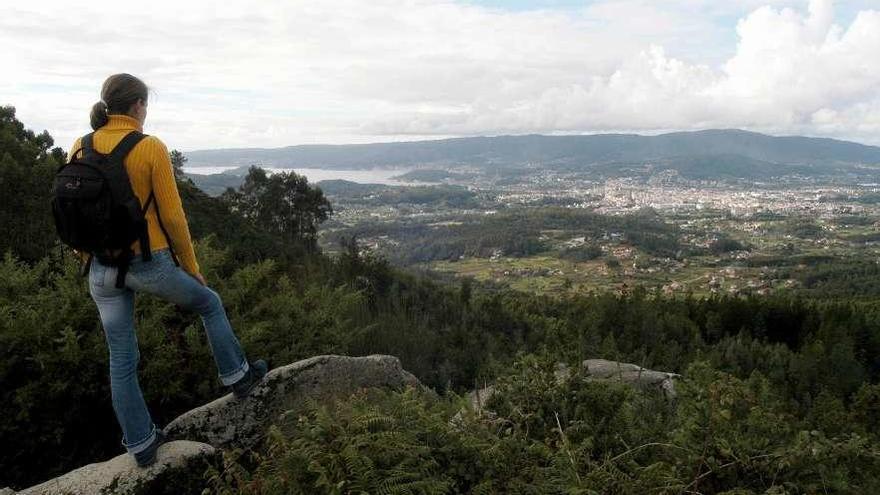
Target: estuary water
[(373, 176)]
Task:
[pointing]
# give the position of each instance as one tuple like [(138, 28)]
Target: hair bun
[(98, 117)]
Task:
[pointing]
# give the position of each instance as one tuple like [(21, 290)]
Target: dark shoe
[(256, 371), (147, 456)]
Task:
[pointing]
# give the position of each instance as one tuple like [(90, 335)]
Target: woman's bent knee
[(208, 301)]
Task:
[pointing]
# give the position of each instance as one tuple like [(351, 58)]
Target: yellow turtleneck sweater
[(149, 170)]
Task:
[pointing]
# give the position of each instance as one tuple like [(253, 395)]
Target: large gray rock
[(599, 370), (178, 470), (227, 422), (602, 369), (7, 491)]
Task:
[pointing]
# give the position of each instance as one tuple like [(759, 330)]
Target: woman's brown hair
[(119, 93)]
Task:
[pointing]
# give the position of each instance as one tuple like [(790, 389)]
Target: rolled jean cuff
[(230, 378), (142, 445)]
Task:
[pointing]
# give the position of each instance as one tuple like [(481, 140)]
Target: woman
[(123, 109)]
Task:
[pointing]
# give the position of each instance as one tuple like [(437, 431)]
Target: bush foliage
[(546, 435)]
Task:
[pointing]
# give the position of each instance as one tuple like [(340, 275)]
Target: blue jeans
[(163, 278)]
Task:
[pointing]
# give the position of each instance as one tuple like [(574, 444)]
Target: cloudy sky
[(269, 73)]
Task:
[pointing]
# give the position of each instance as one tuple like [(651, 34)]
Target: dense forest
[(778, 395)]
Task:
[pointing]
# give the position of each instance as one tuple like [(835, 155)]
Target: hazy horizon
[(273, 73), (642, 134)]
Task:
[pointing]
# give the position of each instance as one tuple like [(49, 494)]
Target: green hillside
[(751, 154)]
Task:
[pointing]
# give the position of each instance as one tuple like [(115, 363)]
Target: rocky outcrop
[(198, 435), (172, 473), (600, 370), (229, 423)]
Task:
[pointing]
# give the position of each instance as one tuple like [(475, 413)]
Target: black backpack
[(95, 208)]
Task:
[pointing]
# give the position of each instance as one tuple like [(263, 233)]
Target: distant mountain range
[(700, 154)]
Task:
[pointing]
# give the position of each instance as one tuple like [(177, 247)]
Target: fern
[(550, 436)]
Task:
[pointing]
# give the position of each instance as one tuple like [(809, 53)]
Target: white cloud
[(274, 72)]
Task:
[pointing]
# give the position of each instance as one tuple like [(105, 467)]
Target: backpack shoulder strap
[(85, 145), (86, 142), (150, 201), (126, 145)]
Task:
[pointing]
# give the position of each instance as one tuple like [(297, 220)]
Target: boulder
[(7, 491), (595, 369), (226, 422), (230, 423), (178, 470), (602, 369)]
